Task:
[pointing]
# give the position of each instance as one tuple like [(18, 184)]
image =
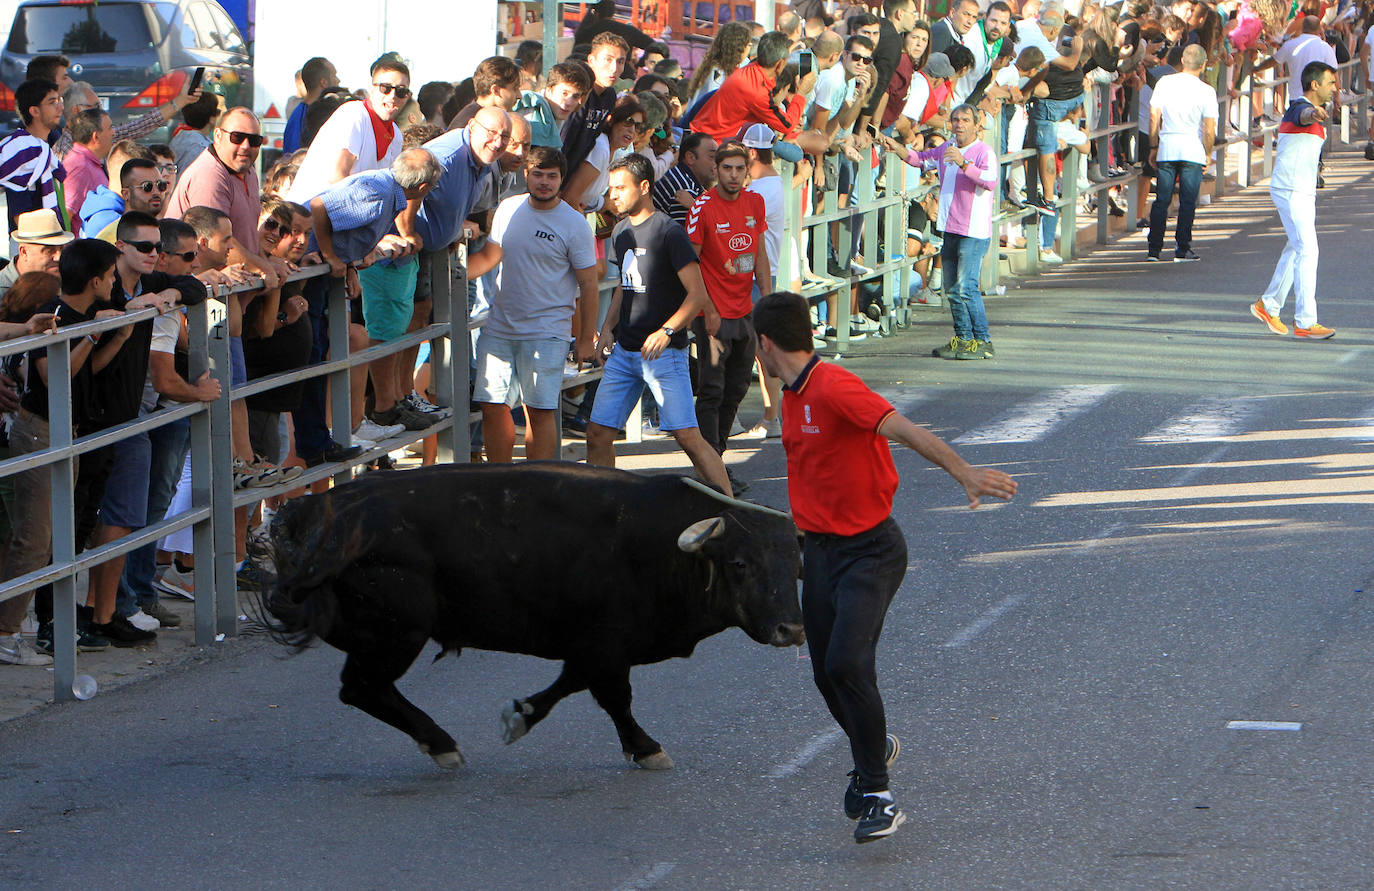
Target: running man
[(840, 482), (1293, 189), (643, 341)]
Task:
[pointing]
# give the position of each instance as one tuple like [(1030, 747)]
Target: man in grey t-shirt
[(547, 273)]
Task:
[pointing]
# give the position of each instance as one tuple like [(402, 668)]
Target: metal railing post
[(1246, 120), (1104, 121), (198, 320), (340, 395), (62, 476), (223, 601), (1068, 212)]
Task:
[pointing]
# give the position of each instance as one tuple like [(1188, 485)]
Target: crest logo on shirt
[(741, 242), (806, 410), (749, 221)]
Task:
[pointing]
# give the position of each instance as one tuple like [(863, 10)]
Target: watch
[(668, 330)]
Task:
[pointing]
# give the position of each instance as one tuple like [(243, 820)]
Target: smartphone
[(804, 64), (196, 79), (872, 132)]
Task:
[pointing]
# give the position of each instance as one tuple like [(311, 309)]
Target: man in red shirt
[(746, 95), (840, 481), (726, 225)]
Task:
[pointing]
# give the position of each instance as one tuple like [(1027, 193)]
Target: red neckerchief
[(382, 130), (180, 127)]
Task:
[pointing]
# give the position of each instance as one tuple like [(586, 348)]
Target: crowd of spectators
[(617, 161)]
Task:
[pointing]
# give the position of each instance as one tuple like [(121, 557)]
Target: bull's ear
[(695, 536)]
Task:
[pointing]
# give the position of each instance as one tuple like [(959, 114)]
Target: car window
[(204, 25), (80, 30), (228, 34)]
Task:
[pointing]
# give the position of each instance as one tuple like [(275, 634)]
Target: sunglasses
[(272, 224), (238, 136), (144, 247), (148, 187), (188, 256), (862, 60), (402, 93), (641, 126)]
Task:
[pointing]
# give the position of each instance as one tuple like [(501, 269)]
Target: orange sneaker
[(1316, 332), (1258, 311)]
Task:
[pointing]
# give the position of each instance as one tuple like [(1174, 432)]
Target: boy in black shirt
[(660, 292)]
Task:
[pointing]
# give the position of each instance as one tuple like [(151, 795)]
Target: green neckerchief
[(994, 48)]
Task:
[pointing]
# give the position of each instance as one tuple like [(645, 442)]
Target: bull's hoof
[(654, 761), (513, 724), (447, 760)]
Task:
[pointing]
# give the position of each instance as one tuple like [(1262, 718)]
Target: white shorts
[(528, 371)]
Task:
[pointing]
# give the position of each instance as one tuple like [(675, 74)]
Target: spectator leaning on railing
[(745, 96)]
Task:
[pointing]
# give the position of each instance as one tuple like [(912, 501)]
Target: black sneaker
[(333, 454), (249, 578), (853, 798), (42, 642), (407, 417), (1152, 256), (1187, 256), (119, 632), (88, 642), (879, 819)]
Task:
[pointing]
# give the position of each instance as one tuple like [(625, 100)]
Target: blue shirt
[(448, 204), (362, 208), (291, 136)]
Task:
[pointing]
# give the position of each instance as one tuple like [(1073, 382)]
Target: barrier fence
[(879, 207)]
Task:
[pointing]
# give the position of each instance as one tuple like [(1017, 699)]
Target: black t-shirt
[(287, 349), (1064, 84), (117, 392), (592, 26), (35, 398), (885, 57), (584, 125), (651, 255)]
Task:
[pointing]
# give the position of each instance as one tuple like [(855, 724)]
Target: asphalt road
[(1190, 548)]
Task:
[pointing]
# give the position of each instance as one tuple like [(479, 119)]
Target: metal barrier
[(894, 267), (213, 496)]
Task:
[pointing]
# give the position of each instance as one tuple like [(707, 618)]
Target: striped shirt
[(31, 176), (676, 179), (966, 196)]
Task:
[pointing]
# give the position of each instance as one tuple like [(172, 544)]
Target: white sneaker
[(374, 432), (1050, 257), (764, 430), (144, 622), (15, 650)]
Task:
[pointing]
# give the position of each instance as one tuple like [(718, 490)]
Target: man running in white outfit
[(1293, 189)]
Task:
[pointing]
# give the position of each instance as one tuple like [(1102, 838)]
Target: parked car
[(137, 54)]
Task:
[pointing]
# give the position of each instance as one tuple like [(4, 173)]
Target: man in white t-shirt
[(1297, 52), (1183, 126), (841, 90), (547, 273), (359, 136)]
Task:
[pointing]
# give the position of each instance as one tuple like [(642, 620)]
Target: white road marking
[(808, 753), (650, 878), (1351, 356), (1263, 725), (986, 620), (1192, 473), (1204, 421), (1035, 421)]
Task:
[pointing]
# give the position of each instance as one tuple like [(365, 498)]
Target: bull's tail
[(298, 603)]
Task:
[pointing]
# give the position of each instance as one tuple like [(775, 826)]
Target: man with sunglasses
[(358, 136), (141, 188)]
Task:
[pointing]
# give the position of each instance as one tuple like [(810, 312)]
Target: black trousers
[(848, 583), (725, 365)]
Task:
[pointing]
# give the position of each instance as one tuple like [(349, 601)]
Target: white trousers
[(1296, 270)]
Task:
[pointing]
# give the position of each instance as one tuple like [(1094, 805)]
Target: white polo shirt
[(1183, 102)]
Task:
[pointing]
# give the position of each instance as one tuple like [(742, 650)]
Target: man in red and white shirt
[(840, 481), (727, 225)]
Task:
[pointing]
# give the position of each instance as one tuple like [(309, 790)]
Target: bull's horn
[(733, 502), (696, 535)]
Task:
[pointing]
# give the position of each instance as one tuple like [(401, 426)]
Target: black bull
[(600, 569)]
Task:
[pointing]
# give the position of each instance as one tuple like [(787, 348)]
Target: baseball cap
[(757, 136), (938, 66)]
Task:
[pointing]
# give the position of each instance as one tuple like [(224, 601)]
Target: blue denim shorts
[(1044, 116), (624, 379), (530, 371), (125, 502)]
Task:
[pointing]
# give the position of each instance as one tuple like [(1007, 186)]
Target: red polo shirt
[(840, 473)]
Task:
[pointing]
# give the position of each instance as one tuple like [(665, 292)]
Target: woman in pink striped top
[(968, 187)]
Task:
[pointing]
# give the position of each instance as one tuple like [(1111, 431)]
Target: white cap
[(757, 136)]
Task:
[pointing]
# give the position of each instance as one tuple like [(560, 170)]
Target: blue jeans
[(1188, 176), (962, 259), (169, 447)]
